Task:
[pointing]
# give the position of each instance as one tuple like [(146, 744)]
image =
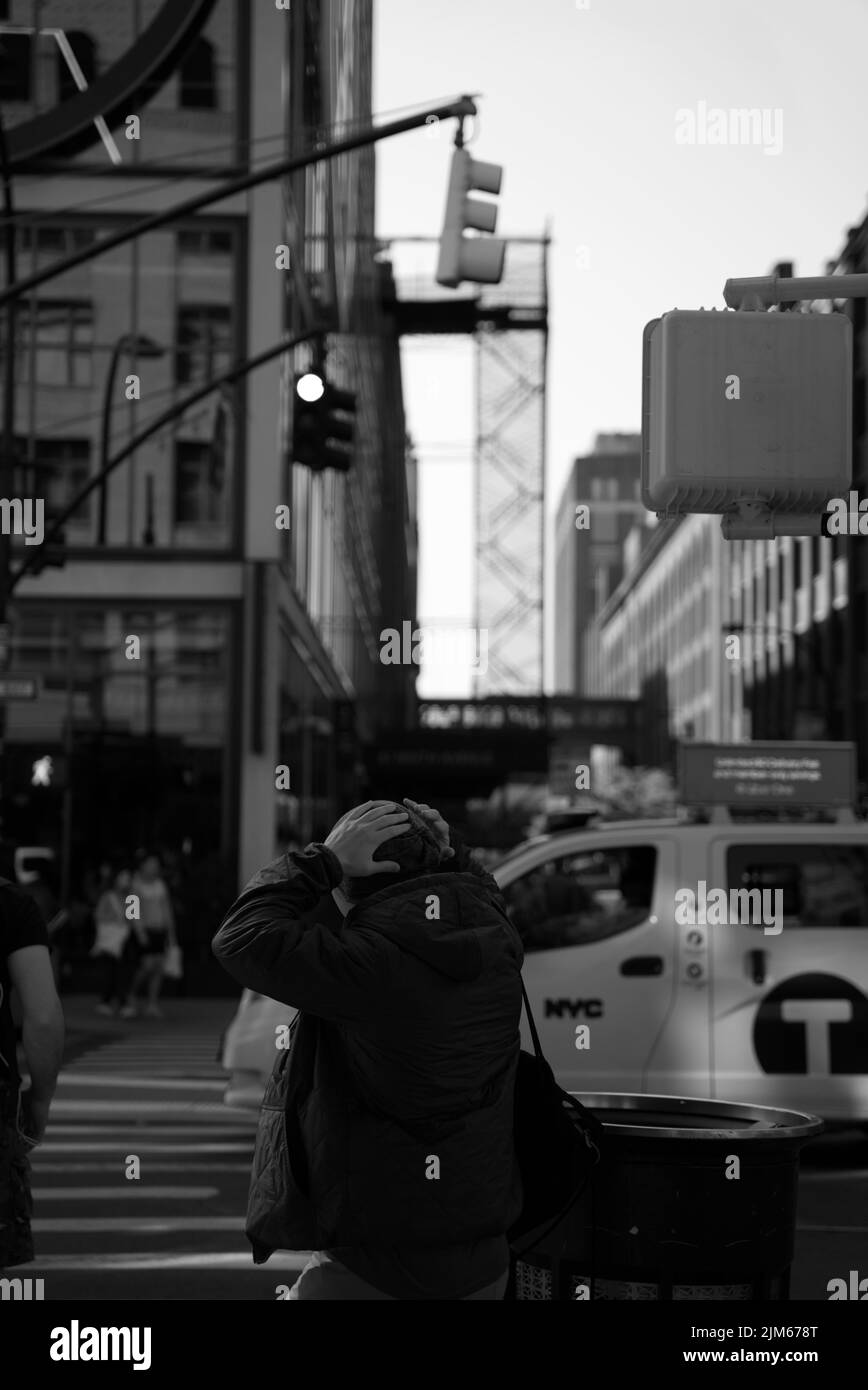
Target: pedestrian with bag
[(156, 935), (114, 944), (390, 1150)]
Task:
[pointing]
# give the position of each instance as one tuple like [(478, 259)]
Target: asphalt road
[(150, 1091), (153, 1091)]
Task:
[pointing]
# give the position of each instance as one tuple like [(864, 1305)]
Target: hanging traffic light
[(470, 258), (323, 430)]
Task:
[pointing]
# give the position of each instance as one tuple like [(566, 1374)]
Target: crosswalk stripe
[(143, 1225), (137, 1082), (144, 1146), (217, 1259), (162, 1131), (139, 1107), (112, 1167), (130, 1190)]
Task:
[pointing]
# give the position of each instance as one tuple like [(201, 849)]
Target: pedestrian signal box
[(748, 415)]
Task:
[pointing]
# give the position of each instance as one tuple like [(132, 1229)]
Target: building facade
[(589, 546), (740, 640), (207, 657)]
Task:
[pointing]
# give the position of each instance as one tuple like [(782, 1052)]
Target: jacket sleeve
[(265, 945)]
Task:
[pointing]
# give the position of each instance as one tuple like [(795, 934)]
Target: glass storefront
[(133, 712)]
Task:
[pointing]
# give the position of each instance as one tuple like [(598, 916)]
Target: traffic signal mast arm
[(763, 291), (463, 106)]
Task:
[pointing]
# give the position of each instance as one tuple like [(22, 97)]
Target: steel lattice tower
[(509, 326)]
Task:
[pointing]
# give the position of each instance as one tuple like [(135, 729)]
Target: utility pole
[(7, 451)]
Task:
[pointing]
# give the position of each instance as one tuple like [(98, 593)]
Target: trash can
[(693, 1199)]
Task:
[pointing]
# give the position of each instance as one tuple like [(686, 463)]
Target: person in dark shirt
[(25, 966), (403, 1179)]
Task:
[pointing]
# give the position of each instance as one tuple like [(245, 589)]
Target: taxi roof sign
[(767, 774)]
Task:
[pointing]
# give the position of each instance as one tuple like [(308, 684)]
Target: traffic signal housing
[(323, 428), (50, 555), (478, 259), (747, 415)]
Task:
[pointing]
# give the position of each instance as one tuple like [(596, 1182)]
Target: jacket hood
[(461, 941)]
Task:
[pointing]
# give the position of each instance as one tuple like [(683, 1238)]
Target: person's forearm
[(42, 1040), (259, 933)]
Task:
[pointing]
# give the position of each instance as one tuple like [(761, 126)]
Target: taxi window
[(821, 885), (576, 899)]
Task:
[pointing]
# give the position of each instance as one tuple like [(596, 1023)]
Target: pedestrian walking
[(400, 1171), (114, 944), (25, 965), (155, 933)]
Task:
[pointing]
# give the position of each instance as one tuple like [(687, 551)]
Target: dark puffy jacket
[(405, 1051)]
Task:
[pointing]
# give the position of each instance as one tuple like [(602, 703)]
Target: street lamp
[(138, 346)]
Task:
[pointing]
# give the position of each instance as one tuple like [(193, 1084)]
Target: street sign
[(19, 687), (767, 774)]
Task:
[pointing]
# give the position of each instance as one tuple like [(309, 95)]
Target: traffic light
[(748, 415), (323, 429), (470, 258)]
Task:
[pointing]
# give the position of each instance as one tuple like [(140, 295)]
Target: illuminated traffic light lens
[(310, 387)]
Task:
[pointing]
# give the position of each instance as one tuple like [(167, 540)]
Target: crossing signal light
[(323, 430), (479, 259), (748, 415)]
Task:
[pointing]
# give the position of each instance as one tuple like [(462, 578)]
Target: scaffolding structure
[(509, 326)]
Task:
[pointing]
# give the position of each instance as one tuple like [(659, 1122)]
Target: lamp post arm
[(118, 348)]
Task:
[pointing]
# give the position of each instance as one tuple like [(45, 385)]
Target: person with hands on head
[(401, 1174)]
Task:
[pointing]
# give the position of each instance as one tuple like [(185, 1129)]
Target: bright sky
[(579, 102)]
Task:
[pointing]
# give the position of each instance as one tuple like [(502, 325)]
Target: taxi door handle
[(642, 965), (757, 964)]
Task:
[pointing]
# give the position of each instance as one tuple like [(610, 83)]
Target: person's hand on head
[(437, 824), (358, 834)]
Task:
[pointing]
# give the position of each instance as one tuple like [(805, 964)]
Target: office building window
[(207, 242), (15, 66), (58, 471), (199, 484), (84, 54), (56, 342), (53, 240), (199, 77), (203, 343)]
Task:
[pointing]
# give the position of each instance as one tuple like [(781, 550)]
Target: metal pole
[(179, 408), (66, 814), (7, 468), (106, 432), (762, 291), (464, 106)]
